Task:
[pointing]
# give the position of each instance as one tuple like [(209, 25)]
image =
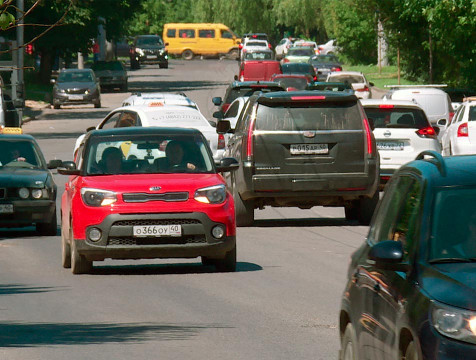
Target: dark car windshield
[(311, 116), (301, 52), (108, 65), (351, 79), (299, 83), (324, 59), (19, 154), (75, 76), (397, 117), (298, 68), (149, 40), (148, 154), (453, 230), (249, 91)]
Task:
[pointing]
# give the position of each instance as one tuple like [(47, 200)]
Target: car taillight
[(463, 130), (426, 132), (249, 142), (286, 60), (336, 69), (221, 141), (240, 46), (386, 106), (314, 78), (363, 89), (269, 45)]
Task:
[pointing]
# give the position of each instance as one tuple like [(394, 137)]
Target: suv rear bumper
[(118, 242)]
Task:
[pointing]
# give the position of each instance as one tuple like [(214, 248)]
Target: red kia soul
[(140, 193)]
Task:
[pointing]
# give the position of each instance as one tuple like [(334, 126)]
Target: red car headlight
[(211, 195), (98, 197)]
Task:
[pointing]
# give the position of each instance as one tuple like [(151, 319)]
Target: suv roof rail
[(437, 160), (416, 86)]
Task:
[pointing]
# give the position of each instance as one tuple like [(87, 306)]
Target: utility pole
[(18, 91), (430, 55)]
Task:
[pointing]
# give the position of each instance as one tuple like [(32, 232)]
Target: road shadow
[(147, 76), (22, 334), (167, 269), (23, 232), (309, 222), (15, 289), (65, 114), (170, 86)]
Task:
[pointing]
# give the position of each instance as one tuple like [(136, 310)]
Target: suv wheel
[(367, 207), (228, 263), (164, 65), (244, 209), (351, 211), (187, 55), (349, 344), (97, 103), (233, 54)]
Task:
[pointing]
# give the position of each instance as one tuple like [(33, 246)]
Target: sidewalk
[(33, 109)]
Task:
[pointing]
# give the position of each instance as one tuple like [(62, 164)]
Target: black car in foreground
[(303, 149), (76, 86), (411, 289), (148, 49), (27, 189)]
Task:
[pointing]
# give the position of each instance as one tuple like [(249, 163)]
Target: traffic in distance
[(156, 179)]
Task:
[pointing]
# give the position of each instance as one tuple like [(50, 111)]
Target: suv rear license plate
[(390, 146), (6, 208), (75, 97), (309, 149), (157, 230)]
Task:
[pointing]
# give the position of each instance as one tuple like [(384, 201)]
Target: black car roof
[(290, 96), (445, 171)]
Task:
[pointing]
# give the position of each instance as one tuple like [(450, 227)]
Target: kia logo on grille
[(309, 134), (387, 133), (155, 188)]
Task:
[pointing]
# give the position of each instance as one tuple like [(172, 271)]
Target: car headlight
[(24, 193), (98, 197), (37, 193), (211, 195), (455, 323), (62, 90), (139, 50)]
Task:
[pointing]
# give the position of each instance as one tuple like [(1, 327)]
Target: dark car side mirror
[(53, 164), (371, 83), (68, 168), (388, 255), (218, 115), (223, 126), (217, 101), (228, 164)]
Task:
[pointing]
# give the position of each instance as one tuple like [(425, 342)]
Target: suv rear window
[(397, 118), (149, 40), (311, 116)]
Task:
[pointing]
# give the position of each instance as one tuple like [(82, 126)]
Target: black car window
[(187, 33), (226, 34), (111, 122), (397, 117), (171, 33), (75, 76), (453, 224), (297, 68), (397, 211), (19, 153), (309, 116), (206, 33), (232, 110), (472, 113)]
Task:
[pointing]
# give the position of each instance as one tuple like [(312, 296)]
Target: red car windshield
[(147, 154)]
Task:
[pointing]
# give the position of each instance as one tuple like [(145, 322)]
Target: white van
[(435, 102)]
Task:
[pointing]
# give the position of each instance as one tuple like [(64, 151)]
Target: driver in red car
[(175, 157)]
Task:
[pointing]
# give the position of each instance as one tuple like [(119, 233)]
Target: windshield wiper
[(452, 260)]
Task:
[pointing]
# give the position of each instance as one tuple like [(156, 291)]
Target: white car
[(254, 45), (163, 116), (282, 48), (460, 135), (435, 102), (401, 130), (307, 43), (356, 79), (328, 48), (159, 97)]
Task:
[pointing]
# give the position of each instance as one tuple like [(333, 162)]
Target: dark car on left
[(27, 189), (76, 86), (148, 49), (111, 74)]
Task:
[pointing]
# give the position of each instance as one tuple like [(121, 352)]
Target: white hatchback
[(356, 79), (159, 98), (401, 130), (460, 135), (163, 116)]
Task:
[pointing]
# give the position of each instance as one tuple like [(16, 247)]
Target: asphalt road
[(282, 303)]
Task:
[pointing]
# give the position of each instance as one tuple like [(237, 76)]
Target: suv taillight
[(221, 141), (426, 132), (463, 130), (368, 135), (249, 139)]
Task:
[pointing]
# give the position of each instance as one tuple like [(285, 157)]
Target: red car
[(259, 70), (136, 193)]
